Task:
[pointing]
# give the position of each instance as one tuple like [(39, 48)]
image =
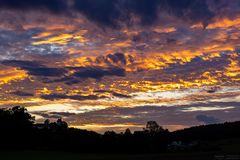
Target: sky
[(116, 64)]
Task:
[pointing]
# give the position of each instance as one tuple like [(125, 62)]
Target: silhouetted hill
[(209, 132), (19, 132)]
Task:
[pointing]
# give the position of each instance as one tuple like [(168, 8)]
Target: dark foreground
[(229, 150), (39, 155), (22, 138)]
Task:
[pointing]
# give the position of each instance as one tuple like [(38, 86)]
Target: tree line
[(18, 131)]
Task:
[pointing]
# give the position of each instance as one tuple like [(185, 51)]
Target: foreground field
[(35, 155), (229, 150), (40, 155)]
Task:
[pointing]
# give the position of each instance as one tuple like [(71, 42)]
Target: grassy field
[(37, 155), (230, 150), (43, 155)]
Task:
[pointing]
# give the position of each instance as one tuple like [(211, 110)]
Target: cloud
[(120, 95), (117, 58), (52, 5), (218, 63), (118, 13), (169, 115), (207, 119), (165, 115), (114, 13), (98, 73), (38, 69), (48, 72), (22, 64), (53, 115), (22, 94), (193, 10), (35, 68), (110, 12), (103, 12), (63, 114), (113, 60), (48, 115), (74, 97), (115, 94)]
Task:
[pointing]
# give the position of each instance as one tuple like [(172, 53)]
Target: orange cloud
[(164, 30), (224, 23), (10, 74)]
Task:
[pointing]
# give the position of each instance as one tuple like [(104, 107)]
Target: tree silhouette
[(152, 126), (127, 132), (15, 126)]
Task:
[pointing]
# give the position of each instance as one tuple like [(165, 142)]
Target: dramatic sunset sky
[(116, 64)]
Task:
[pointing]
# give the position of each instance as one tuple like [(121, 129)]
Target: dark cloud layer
[(111, 12), (193, 10), (98, 72), (22, 94), (22, 64), (52, 5), (120, 95), (75, 97), (188, 69), (207, 119), (38, 69), (35, 68)]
